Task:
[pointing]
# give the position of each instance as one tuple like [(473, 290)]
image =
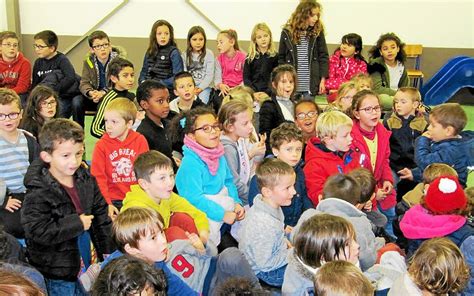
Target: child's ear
[(130, 124), (113, 78), (144, 104), (45, 156), (356, 114), (275, 152), (450, 131), (143, 183), (175, 93), (266, 191), (131, 250)]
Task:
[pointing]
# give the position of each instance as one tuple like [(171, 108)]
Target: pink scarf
[(209, 156)]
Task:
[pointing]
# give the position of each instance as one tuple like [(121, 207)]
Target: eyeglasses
[(37, 46), (101, 46), (302, 115), (48, 103), (371, 109), (14, 45), (209, 128), (13, 115)]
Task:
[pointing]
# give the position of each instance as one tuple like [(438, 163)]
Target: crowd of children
[(222, 176)]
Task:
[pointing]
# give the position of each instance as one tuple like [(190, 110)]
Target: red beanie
[(445, 195)]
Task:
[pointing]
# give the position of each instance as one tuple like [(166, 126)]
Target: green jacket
[(380, 76)]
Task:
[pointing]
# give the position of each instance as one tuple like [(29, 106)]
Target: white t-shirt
[(395, 73)]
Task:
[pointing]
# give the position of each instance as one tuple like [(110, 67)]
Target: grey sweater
[(233, 161)]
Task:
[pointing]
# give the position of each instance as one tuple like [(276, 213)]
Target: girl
[(42, 106), (204, 177), (230, 62), (302, 44), (200, 62), (162, 59), (370, 137), (362, 81), (344, 97), (346, 62), (306, 114), (261, 60), (281, 107)]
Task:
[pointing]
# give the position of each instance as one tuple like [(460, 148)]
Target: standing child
[(115, 152), (162, 59), (200, 62), (302, 44), (343, 101), (204, 178), (185, 91), (261, 60)]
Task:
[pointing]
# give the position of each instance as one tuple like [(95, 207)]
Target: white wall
[(432, 23), (3, 15)]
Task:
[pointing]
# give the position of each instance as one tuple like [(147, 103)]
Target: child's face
[(9, 48), (346, 100), (125, 79), (314, 17), (389, 50), (281, 194), (161, 183), (42, 50), (157, 106), (404, 104), (153, 246), (369, 113), (437, 131), (243, 126), (185, 88), (101, 48), (347, 50), (285, 86), (197, 42), (224, 43), (262, 39), (162, 35), (115, 125), (12, 114), (207, 131), (47, 108), (342, 141), (364, 84), (351, 252), (65, 158), (289, 152), (306, 116)]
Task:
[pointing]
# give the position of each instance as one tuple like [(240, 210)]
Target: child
[(54, 69), (237, 286), (306, 115), (436, 268), (200, 62), (261, 60), (154, 190), (262, 235), (444, 142), (304, 34), (42, 106), (362, 81), (115, 152), (346, 62), (350, 280), (204, 178), (287, 145), (14, 283), (121, 75), (329, 153), (373, 141), (281, 107), (71, 209), (15, 69), (320, 239), (343, 101), (162, 59), (185, 91), (19, 149)]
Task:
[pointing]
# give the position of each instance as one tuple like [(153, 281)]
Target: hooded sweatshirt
[(16, 75)]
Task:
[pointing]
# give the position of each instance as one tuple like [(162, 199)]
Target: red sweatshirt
[(112, 164), (16, 75)]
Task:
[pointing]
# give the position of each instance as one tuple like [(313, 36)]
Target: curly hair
[(375, 50), (297, 24)]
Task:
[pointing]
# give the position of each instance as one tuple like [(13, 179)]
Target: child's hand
[(380, 195), (288, 229), (13, 204), (140, 114), (387, 187), (196, 242), (204, 236), (224, 88), (86, 220), (288, 244), (113, 212), (259, 147), (239, 211), (322, 86), (405, 174), (368, 206), (197, 90), (229, 217)]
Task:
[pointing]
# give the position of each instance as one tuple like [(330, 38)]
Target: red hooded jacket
[(16, 75)]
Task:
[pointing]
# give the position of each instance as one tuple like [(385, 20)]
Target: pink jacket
[(342, 69)]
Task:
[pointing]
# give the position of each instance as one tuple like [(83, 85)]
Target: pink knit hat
[(445, 195)]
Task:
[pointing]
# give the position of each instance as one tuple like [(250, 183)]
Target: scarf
[(368, 134), (209, 156)]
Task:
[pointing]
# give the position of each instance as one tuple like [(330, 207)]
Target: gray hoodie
[(298, 278), (234, 162)]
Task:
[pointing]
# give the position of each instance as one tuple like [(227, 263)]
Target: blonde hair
[(8, 96), (343, 90), (330, 122), (413, 92), (270, 171), (253, 48), (436, 170), (360, 78), (240, 94), (229, 111), (231, 34), (123, 106)]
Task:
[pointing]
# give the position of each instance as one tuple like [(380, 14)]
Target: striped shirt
[(14, 163), (302, 72)]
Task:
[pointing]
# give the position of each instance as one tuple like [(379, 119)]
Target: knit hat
[(445, 195)]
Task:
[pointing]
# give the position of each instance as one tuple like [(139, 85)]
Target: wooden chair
[(414, 51)]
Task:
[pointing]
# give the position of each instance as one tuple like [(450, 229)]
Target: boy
[(15, 69), (287, 145), (185, 90), (63, 204), (121, 75), (444, 142), (115, 152), (155, 177), (329, 153), (262, 234), (54, 69), (93, 83), (19, 149)]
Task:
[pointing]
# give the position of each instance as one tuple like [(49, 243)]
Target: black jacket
[(270, 117), (258, 71), (52, 225)]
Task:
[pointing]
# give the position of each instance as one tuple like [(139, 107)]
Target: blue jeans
[(73, 106), (273, 277), (62, 288), (390, 214)]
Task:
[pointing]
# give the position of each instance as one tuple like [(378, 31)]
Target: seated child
[(362, 81), (154, 190), (185, 91), (115, 152), (71, 209), (343, 99), (239, 286), (14, 283), (306, 115), (262, 234)]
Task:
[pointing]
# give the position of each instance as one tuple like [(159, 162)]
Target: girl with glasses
[(42, 106)]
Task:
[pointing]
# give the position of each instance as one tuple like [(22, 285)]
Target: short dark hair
[(145, 88), (8, 34), (180, 75), (57, 131), (239, 286), (116, 65), (342, 187), (146, 164), (49, 38), (97, 35), (366, 181)]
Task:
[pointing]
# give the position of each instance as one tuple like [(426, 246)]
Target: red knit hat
[(445, 195)]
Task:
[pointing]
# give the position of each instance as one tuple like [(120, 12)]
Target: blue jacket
[(177, 66), (458, 153), (194, 180)]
